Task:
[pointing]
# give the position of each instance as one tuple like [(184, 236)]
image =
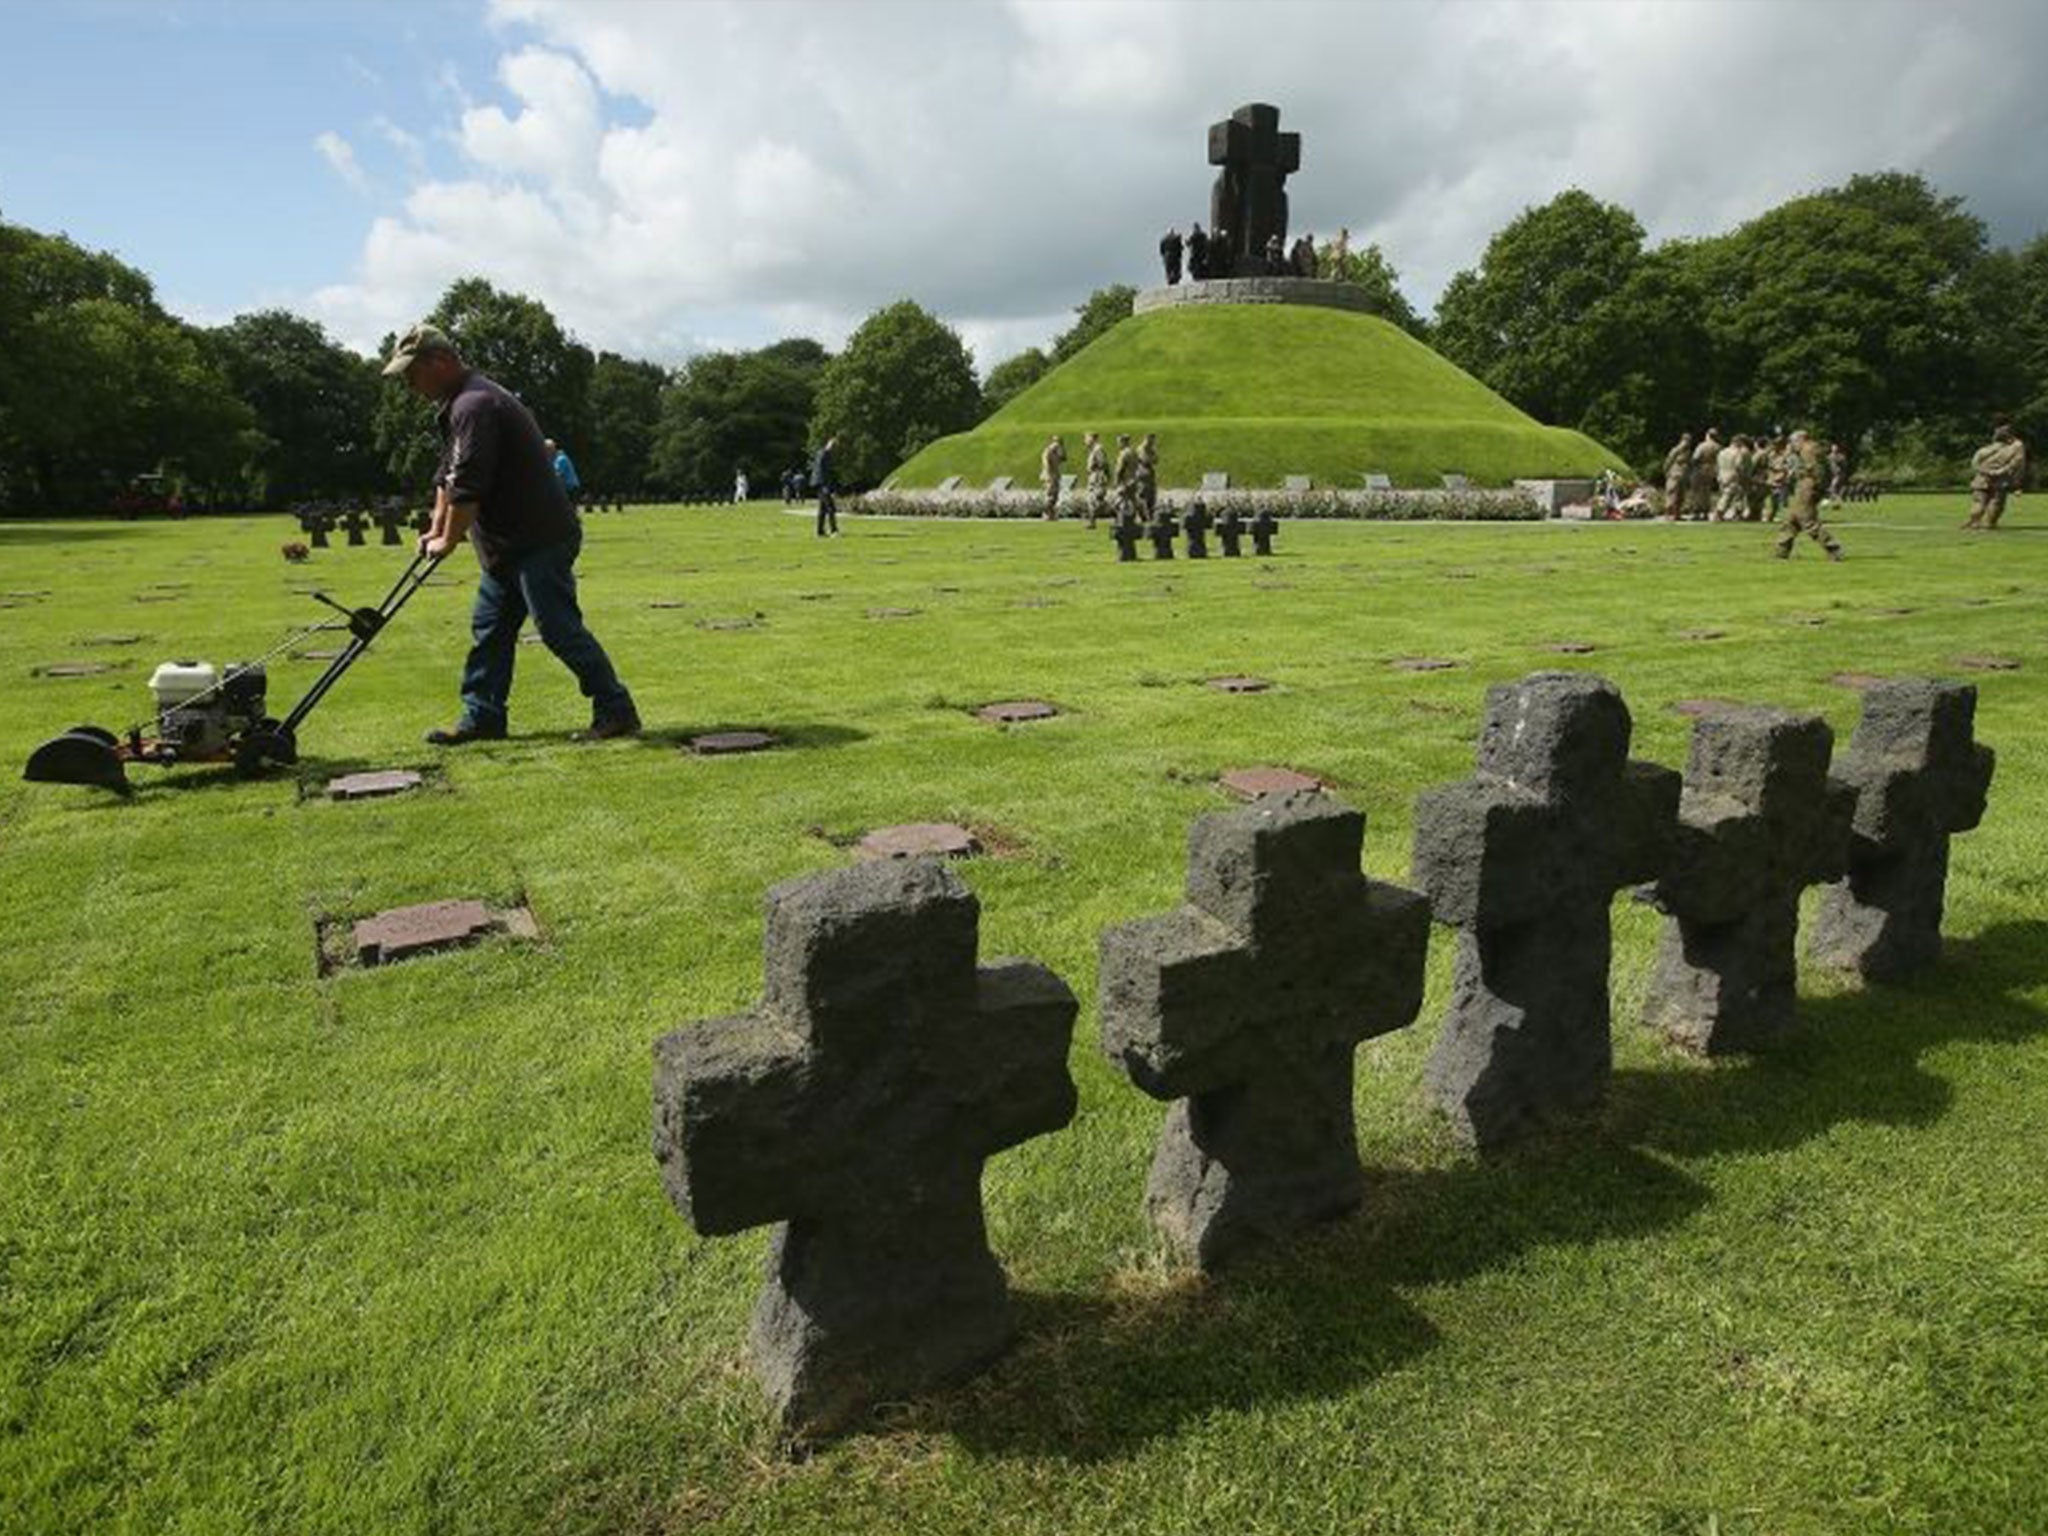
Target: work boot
[(612, 727), (463, 732)]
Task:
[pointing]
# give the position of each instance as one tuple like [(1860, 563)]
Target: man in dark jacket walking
[(497, 488), (827, 486)]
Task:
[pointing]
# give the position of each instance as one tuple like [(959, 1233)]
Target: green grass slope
[(1266, 391), (386, 1251)]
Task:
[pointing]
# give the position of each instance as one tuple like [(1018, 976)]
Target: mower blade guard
[(85, 755)]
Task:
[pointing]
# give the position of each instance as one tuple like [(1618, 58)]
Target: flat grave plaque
[(404, 932), (371, 786), (63, 669), (1239, 684), (919, 839), (1423, 664), (1216, 480), (725, 743), (1989, 663), (1011, 711), (1251, 783), (1297, 485)]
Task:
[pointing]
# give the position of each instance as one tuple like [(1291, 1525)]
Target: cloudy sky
[(674, 176)]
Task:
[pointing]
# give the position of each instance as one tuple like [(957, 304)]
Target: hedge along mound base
[(1016, 711), (405, 933), (919, 840)]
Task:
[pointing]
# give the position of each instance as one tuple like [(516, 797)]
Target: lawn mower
[(206, 714)]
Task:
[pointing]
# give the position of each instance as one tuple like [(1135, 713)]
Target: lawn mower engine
[(200, 716)]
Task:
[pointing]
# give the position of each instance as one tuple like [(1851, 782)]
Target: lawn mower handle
[(365, 624)]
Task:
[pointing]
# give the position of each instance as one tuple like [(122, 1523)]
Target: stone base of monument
[(1256, 290)]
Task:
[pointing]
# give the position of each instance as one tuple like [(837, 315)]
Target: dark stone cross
[(1197, 523), (1523, 860), (1125, 531), (856, 1104), (1264, 526), (391, 520), (1758, 822), (356, 525), (1230, 531), (318, 525), (1248, 203), (1161, 530), (1245, 1007), (1920, 776)]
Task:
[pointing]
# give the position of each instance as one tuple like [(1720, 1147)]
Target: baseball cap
[(420, 339)]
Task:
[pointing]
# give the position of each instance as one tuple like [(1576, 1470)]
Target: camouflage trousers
[(1987, 506), (1098, 498), (1674, 496), (1729, 504), (1802, 515), (1052, 497)]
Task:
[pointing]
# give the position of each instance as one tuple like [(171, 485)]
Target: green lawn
[(1263, 392), (386, 1252)]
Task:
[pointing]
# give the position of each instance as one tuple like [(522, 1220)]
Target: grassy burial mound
[(1266, 391)]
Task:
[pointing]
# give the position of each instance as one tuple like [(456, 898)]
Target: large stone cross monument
[(1249, 199), (856, 1104)]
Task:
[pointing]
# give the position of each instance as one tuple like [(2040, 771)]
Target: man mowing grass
[(497, 488)]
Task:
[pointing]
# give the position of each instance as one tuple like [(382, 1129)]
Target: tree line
[(1877, 313)]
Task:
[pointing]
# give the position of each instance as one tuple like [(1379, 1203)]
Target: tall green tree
[(904, 379), (625, 409), (1519, 320), (728, 413), (513, 339), (1099, 312), (313, 401), (1367, 267), (1012, 376)]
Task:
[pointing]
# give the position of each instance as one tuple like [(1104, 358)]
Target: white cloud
[(340, 156), (661, 175)]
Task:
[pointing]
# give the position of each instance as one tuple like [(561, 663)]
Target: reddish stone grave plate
[(1239, 684), (1012, 711), (1808, 620), (1703, 634), (1856, 680), (728, 624), (404, 932), (894, 613), (725, 743), (61, 669), (668, 602), (1251, 783), (370, 786), (111, 640), (1572, 647), (1423, 664), (1989, 663), (919, 840), (316, 655)]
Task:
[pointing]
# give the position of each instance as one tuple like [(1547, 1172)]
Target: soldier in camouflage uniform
[(1098, 478), (1756, 480), (1802, 512), (1699, 484), (1731, 471), (1677, 469), (1148, 473), (1126, 479), (1996, 470), (1050, 463)]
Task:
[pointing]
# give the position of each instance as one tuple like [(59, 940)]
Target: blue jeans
[(541, 582)]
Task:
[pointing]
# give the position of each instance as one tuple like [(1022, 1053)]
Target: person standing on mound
[(497, 488)]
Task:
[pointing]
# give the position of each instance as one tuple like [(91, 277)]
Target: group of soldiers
[(1135, 477), (1734, 482), (1210, 256)]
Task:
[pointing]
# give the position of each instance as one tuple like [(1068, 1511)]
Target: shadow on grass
[(65, 533), (1094, 1378)]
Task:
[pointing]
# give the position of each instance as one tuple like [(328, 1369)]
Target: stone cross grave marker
[(1244, 1008), (1920, 776), (1523, 859), (1249, 199), (855, 1105), (1759, 820)]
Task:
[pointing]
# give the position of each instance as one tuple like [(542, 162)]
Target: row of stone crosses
[(1163, 528), (856, 1103)]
